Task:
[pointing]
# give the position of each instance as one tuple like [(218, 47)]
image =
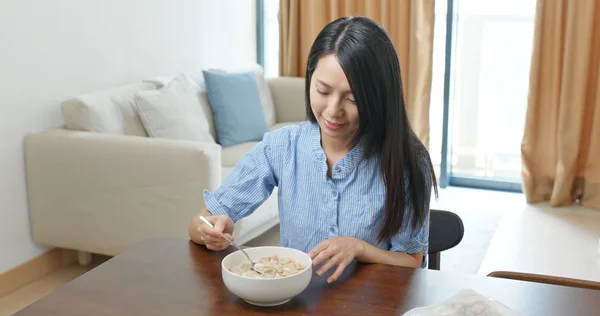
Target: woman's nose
[(334, 108)]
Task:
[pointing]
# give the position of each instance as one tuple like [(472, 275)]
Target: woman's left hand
[(339, 252)]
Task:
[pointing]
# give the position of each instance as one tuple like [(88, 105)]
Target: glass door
[(479, 90)]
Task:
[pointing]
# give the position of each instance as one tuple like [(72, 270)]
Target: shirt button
[(336, 169), (335, 194)]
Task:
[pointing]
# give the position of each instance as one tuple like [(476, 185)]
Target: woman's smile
[(333, 126)]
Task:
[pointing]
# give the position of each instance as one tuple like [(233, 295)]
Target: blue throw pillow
[(237, 111)]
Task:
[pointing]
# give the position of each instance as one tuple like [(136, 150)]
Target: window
[(482, 68), (271, 37)]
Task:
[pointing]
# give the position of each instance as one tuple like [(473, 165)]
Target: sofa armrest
[(288, 97), (103, 193)]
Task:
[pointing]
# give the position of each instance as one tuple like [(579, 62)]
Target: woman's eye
[(321, 92), (351, 101)]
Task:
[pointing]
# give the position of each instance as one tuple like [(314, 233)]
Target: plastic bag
[(466, 303)]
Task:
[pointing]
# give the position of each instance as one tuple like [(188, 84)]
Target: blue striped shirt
[(312, 206)]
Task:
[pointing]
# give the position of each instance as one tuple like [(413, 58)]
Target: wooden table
[(169, 276)]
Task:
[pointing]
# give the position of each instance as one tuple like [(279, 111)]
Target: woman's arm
[(370, 254), (249, 184), (340, 251)]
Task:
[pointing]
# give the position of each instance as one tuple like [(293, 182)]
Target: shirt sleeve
[(409, 240), (250, 183)]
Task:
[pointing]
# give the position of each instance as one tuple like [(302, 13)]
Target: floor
[(558, 241), (19, 299), (480, 210)]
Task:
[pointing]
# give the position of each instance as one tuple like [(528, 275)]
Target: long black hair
[(369, 60)]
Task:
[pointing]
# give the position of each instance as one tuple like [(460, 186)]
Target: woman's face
[(332, 101)]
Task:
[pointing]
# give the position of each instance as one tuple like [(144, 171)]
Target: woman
[(354, 180)]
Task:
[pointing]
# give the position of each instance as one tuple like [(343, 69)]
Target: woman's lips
[(333, 126)]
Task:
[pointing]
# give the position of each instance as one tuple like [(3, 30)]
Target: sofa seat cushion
[(232, 154), (284, 124)]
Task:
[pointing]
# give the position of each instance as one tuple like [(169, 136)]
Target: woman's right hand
[(211, 237)]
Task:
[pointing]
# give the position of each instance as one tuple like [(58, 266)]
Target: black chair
[(446, 230)]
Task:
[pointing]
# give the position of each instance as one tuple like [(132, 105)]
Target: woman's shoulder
[(289, 135)]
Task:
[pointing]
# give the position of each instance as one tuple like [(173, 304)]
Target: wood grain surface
[(170, 276)]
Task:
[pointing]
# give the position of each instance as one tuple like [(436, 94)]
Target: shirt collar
[(343, 167)]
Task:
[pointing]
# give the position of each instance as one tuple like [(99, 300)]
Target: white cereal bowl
[(266, 292)]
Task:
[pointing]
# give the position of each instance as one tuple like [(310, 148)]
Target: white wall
[(53, 50)]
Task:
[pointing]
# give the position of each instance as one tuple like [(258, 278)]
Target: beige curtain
[(409, 23), (561, 142)]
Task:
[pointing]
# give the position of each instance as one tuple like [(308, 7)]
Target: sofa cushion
[(174, 112), (264, 89), (109, 111), (236, 107), (231, 155), (264, 93), (159, 81), (162, 81), (288, 98)]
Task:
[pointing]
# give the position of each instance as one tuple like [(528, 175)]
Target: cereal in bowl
[(273, 267)]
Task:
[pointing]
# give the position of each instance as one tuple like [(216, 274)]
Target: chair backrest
[(446, 230)]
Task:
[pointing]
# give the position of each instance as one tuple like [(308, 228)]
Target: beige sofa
[(99, 184)]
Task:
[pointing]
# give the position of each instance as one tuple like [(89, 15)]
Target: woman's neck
[(335, 147), (335, 150)]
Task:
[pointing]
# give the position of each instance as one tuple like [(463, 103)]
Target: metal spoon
[(252, 263)]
